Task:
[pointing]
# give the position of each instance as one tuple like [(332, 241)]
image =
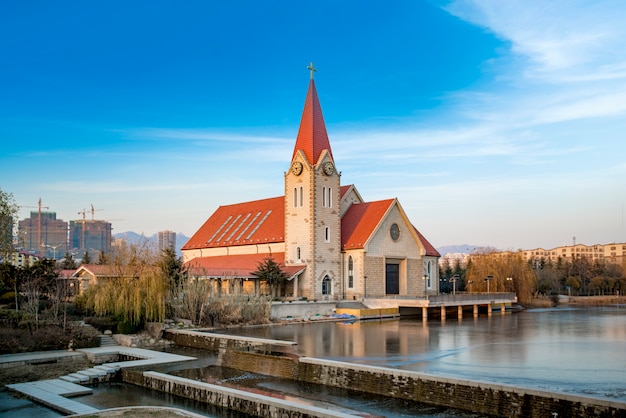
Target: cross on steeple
[(312, 69)]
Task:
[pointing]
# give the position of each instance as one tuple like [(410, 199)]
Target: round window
[(394, 231)]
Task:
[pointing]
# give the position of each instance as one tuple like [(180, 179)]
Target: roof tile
[(259, 221), (312, 137)]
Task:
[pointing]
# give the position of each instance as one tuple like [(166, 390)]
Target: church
[(331, 243)]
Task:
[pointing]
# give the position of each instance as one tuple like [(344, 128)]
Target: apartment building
[(613, 252)]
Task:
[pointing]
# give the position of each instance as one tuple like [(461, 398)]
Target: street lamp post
[(469, 283), (488, 279), (54, 249), (509, 280), (454, 279)]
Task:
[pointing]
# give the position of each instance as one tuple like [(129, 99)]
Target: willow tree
[(134, 288), (502, 272)]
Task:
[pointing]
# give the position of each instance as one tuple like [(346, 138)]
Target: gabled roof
[(256, 222), (240, 266), (344, 189), (66, 273), (312, 137), (430, 250), (360, 221), (105, 270)]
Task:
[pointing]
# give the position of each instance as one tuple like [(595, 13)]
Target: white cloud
[(564, 40)]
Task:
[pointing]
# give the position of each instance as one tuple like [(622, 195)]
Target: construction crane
[(93, 212), (93, 218), (39, 206), (82, 241)]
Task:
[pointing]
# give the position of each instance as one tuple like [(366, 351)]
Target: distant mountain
[(459, 249), (135, 238)]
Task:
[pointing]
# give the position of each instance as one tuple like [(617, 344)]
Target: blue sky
[(495, 123)]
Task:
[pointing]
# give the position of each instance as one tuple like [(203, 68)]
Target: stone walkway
[(54, 393)]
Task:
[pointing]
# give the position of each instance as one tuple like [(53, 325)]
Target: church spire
[(312, 137)]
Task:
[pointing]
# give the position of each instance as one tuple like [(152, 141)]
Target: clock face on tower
[(329, 168), (296, 168)]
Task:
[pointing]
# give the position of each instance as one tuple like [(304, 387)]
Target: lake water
[(573, 350)]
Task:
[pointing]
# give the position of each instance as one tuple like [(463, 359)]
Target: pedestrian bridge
[(457, 305)]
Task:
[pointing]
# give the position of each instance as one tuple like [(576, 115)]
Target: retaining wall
[(217, 342), (233, 399), (491, 399), (302, 309)]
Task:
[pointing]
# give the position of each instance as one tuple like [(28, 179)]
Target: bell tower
[(312, 213)]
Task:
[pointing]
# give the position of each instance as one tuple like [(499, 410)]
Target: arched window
[(298, 254), (329, 200), (324, 196), (429, 283), (350, 272), (301, 196), (326, 288), (295, 197), (327, 234)]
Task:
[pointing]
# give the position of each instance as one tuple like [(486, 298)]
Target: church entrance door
[(392, 279)]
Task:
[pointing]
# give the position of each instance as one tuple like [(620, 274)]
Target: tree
[(8, 214), (68, 262), (86, 259), (38, 280), (103, 259), (135, 291), (171, 266), (270, 271), (500, 267), (9, 281)]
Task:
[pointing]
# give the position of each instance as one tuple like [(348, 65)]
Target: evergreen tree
[(171, 266), (8, 215), (270, 271), (102, 259), (68, 262), (86, 259)]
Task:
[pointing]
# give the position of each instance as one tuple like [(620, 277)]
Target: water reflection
[(578, 350)]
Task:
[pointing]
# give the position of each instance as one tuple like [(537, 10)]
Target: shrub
[(127, 327), (47, 337), (103, 323)]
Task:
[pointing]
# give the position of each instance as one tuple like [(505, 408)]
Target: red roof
[(256, 222), (359, 222), (241, 265), (312, 137), (344, 189), (430, 250)]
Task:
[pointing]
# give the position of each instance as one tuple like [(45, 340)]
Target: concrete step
[(53, 393), (80, 377), (107, 341), (70, 379), (112, 369)]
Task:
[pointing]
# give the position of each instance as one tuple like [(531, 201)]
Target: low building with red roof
[(330, 242)]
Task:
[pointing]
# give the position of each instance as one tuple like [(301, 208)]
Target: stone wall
[(301, 309), (217, 342), (253, 404), (480, 397)]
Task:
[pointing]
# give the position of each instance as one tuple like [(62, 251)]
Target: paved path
[(54, 393), (37, 357)]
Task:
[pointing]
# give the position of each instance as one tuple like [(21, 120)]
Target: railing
[(473, 297), (458, 298)]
